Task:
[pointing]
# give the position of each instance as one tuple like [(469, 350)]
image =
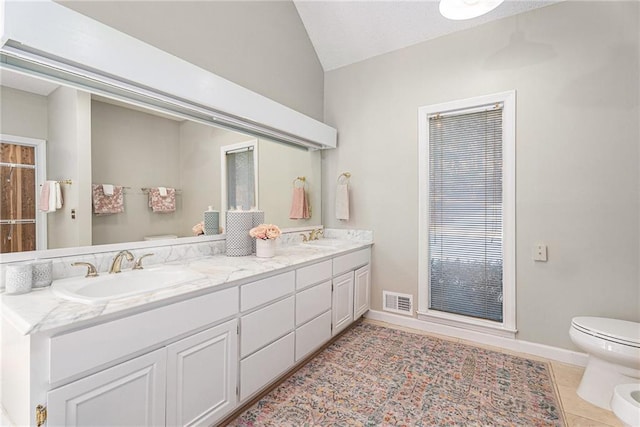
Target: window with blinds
[(241, 193), (465, 212)]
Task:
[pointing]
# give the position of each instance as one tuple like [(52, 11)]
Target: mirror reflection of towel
[(299, 204), (104, 203), (342, 202), (50, 197), (162, 204)]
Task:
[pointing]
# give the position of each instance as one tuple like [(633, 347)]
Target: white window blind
[(240, 179), (465, 213)]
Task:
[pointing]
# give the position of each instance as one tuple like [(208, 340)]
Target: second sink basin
[(95, 290), (324, 243)]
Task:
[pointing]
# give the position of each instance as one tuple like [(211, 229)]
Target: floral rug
[(376, 376)]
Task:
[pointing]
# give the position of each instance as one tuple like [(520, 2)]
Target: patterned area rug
[(376, 376)]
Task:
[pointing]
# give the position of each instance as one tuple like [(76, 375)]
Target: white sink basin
[(95, 290), (324, 243)]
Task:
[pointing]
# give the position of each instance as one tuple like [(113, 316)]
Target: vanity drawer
[(82, 350), (350, 261), (313, 335), (266, 325), (263, 291), (313, 301), (261, 368), (313, 274)]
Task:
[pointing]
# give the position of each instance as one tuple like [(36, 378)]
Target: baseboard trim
[(540, 350)]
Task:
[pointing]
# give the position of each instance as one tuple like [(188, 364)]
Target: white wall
[(69, 157), (200, 169), (260, 45), (578, 135), (279, 165), (23, 113), (136, 150)]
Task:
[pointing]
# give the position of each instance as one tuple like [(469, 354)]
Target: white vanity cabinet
[(188, 378), (266, 331), (342, 310), (361, 291), (202, 373), (351, 288), (313, 308), (131, 393), (190, 382), (190, 362)]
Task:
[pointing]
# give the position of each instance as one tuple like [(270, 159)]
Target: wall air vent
[(397, 303)]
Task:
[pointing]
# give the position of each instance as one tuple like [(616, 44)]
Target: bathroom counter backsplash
[(42, 310)]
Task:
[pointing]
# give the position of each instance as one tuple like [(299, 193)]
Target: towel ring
[(301, 179), (345, 175)]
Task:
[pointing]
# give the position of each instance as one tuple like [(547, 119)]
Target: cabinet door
[(202, 376), (361, 291), (129, 394), (342, 304)]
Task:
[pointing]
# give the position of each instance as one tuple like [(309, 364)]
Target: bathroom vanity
[(188, 355)]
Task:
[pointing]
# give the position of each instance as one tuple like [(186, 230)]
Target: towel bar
[(346, 175)]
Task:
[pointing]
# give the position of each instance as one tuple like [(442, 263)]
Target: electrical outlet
[(540, 252)]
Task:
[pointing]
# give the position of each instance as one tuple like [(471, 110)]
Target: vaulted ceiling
[(345, 32)]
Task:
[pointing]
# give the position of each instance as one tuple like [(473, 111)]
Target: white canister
[(265, 248), (42, 274), (18, 279)]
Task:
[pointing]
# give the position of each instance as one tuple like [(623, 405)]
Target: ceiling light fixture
[(466, 9)]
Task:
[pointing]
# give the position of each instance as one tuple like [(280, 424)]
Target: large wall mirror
[(92, 139)]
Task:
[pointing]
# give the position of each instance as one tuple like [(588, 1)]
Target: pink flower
[(198, 229), (265, 231)]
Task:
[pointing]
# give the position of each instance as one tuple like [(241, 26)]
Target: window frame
[(224, 202), (506, 328)]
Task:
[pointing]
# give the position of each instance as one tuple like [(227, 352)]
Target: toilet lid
[(620, 331)]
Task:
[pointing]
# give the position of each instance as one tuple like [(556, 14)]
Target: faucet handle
[(304, 237), (137, 265), (91, 269)]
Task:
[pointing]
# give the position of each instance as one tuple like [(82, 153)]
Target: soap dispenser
[(211, 221)]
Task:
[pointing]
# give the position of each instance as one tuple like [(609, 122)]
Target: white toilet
[(626, 403), (614, 356)]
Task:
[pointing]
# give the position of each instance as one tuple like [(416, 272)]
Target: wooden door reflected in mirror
[(18, 198)]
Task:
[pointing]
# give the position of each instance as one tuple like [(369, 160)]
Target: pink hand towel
[(43, 203), (299, 204)]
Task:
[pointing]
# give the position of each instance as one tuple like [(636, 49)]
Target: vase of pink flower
[(266, 235)]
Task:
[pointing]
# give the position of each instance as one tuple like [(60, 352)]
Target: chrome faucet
[(117, 261)]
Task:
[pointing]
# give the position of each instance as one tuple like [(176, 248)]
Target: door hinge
[(237, 391), (41, 415), (238, 329)]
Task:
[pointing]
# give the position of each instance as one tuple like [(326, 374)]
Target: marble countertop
[(41, 310)]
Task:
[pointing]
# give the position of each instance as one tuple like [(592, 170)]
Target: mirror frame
[(49, 41)]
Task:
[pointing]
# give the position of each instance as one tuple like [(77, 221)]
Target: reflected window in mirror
[(241, 163)]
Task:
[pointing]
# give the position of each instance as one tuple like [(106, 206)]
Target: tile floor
[(578, 413)]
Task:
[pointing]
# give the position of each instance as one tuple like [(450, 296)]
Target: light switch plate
[(540, 252)]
